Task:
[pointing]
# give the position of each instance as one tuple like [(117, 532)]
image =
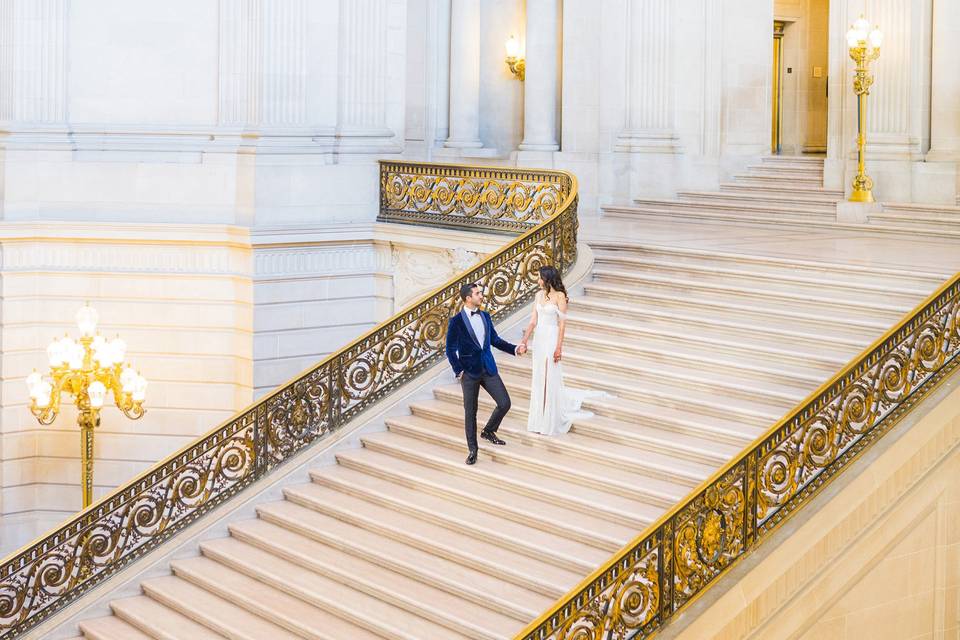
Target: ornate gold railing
[(44, 576), (678, 557), (490, 198)]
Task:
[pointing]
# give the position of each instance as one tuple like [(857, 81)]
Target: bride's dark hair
[(552, 281)]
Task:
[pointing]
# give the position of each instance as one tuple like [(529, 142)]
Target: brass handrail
[(676, 559), (56, 569)]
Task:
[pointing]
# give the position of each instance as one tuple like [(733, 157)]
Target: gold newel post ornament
[(864, 49), (87, 370)]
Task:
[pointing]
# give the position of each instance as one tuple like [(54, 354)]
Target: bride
[(553, 407)]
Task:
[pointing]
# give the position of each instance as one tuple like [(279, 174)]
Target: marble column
[(464, 75), (945, 83), (541, 95), (649, 126)]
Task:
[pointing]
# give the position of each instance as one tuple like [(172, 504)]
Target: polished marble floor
[(915, 253)]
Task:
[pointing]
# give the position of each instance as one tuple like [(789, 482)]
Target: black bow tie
[(473, 313)]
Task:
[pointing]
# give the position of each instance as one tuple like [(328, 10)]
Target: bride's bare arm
[(530, 327), (562, 321)]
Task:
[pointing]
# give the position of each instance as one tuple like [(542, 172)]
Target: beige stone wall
[(914, 589), (877, 555)]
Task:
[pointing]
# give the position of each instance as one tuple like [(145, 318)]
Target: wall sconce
[(516, 64)]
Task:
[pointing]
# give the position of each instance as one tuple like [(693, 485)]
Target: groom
[(469, 336)]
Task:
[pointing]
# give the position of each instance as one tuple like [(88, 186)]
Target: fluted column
[(896, 103), (945, 83), (649, 125), (541, 96), (464, 75), (33, 86), (241, 62), (442, 97)]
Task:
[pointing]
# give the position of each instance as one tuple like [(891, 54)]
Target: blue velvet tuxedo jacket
[(465, 352)]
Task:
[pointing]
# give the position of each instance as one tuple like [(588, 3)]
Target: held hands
[(521, 348)]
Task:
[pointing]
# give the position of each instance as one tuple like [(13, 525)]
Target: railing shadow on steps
[(678, 557), (541, 205)]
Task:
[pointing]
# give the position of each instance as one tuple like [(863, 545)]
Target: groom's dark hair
[(467, 289)]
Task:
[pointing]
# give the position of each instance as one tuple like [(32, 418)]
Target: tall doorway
[(799, 77)]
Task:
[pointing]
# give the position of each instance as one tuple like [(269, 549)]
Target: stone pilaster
[(649, 126), (33, 86)]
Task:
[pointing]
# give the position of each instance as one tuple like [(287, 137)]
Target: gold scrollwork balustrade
[(490, 198), (677, 558), (48, 574)]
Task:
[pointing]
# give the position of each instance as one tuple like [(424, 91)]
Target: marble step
[(814, 204), (919, 219), (815, 160), (776, 178), (807, 338), (711, 405), (790, 168), (241, 573), (678, 460), (791, 221), (697, 426), (450, 514), (815, 315), (796, 284), (384, 603), (607, 250), (785, 172), (627, 379), (633, 339), (738, 208), (800, 343), (111, 628), (629, 511), (767, 291), (666, 470), (586, 358), (774, 189), (537, 574), (500, 501), (910, 208), (159, 621), (625, 482), (471, 618), (723, 311), (228, 618), (421, 565)]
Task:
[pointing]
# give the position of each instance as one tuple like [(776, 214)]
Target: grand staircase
[(701, 352), (788, 191)]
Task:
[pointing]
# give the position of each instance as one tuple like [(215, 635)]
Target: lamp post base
[(860, 195)]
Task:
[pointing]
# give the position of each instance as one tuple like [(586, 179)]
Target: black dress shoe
[(491, 437), (472, 458)]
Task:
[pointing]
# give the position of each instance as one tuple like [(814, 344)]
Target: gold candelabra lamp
[(864, 49), (516, 64), (87, 369)]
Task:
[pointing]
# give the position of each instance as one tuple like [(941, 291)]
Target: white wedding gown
[(553, 407)]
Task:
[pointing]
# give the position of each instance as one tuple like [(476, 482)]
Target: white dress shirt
[(479, 327)]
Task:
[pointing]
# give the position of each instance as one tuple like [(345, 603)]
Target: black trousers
[(471, 392)]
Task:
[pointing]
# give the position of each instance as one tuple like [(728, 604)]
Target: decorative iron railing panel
[(41, 578), (489, 198), (677, 558)]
